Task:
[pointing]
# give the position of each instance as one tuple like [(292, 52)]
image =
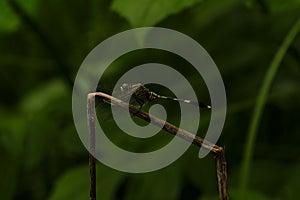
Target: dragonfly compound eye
[(124, 87)]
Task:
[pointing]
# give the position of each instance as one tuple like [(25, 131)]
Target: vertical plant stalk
[(91, 125), (221, 166), (260, 104)]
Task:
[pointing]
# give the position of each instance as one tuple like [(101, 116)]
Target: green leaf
[(201, 172), (29, 6), (11, 132), (275, 6), (279, 6), (149, 12), (9, 21), (163, 184), (41, 96), (9, 170), (11, 146), (250, 194), (39, 106), (291, 189), (74, 184), (108, 182)]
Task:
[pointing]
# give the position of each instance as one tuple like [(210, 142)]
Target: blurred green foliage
[(41, 154)]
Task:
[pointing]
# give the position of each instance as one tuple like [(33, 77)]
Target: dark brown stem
[(221, 167), (218, 151), (91, 124)]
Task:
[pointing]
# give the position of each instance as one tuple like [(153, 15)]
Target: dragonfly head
[(124, 87)]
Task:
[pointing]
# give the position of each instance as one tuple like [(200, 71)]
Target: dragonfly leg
[(140, 102)]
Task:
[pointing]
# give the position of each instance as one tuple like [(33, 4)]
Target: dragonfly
[(141, 94)]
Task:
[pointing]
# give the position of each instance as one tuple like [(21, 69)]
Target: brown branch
[(198, 141), (91, 124), (221, 168)]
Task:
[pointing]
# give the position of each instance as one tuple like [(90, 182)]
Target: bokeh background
[(43, 43)]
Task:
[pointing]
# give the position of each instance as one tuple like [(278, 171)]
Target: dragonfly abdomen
[(195, 103)]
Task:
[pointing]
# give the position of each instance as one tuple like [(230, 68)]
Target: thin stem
[(221, 165), (260, 104), (92, 163)]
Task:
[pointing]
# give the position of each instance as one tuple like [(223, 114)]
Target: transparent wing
[(103, 106)]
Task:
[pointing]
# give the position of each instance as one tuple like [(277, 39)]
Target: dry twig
[(218, 151)]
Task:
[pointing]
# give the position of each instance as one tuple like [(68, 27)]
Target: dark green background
[(42, 45)]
